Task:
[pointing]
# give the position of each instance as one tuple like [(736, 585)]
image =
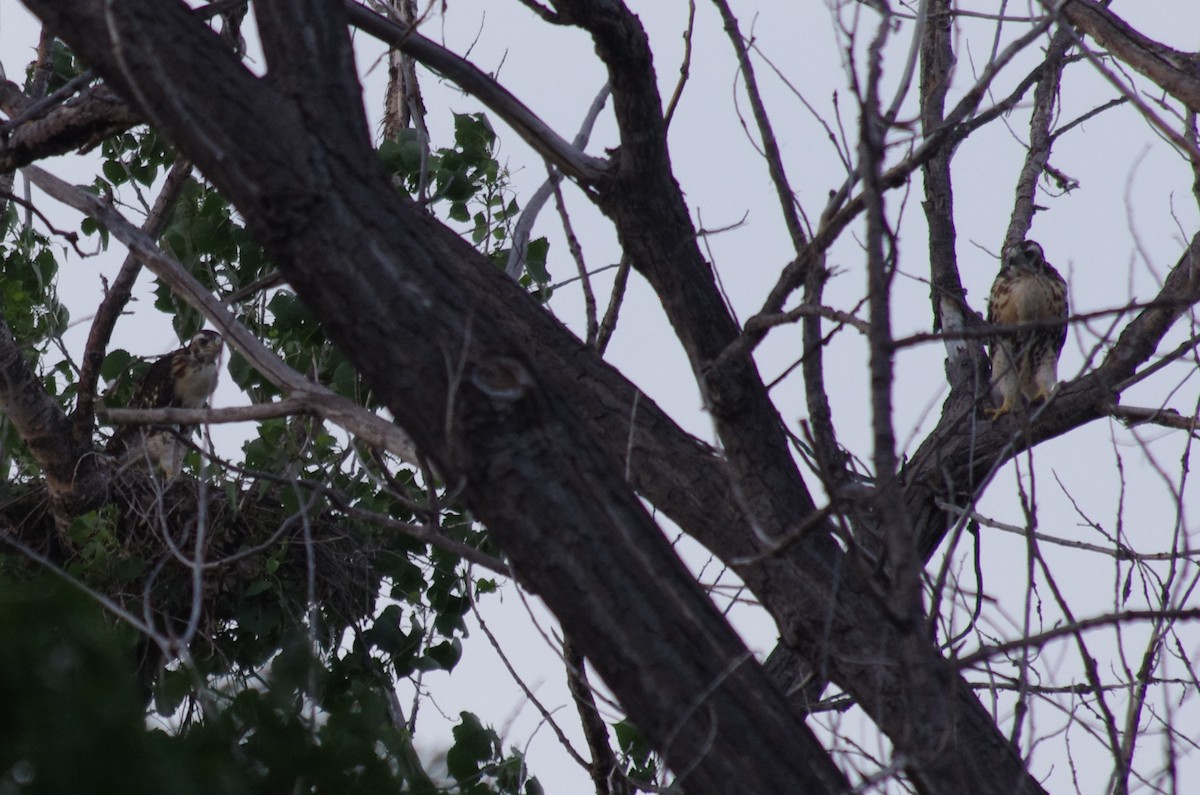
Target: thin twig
[(1118, 552), (684, 66), (515, 265), (609, 324)]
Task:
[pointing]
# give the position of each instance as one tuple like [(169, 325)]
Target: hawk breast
[(195, 382)]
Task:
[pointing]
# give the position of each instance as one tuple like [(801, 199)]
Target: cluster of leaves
[(67, 692), (468, 177), (638, 759), (278, 694), (29, 305), (61, 65), (29, 296)]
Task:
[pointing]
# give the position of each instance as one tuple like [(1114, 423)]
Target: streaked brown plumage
[(184, 378), (1028, 290)]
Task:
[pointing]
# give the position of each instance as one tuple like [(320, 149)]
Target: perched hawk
[(1027, 291), (184, 379)]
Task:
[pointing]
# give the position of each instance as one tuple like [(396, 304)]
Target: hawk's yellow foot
[(998, 412)]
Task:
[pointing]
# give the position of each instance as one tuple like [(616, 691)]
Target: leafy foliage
[(29, 296), (68, 695), (470, 180), (30, 306), (278, 692), (637, 757)]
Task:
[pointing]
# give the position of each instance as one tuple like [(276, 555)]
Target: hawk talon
[(998, 412)]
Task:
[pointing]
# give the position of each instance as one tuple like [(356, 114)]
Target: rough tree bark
[(557, 503)]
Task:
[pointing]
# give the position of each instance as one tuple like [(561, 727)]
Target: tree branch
[(79, 124), (475, 82), (72, 477), (1173, 71), (288, 407)]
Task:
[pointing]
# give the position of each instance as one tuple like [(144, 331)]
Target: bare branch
[(1039, 639), (1173, 71), (1167, 418), (787, 197), (605, 773), (763, 322), (297, 403), (1118, 551), (474, 81), (1041, 119), (685, 66), (515, 265), (609, 324)]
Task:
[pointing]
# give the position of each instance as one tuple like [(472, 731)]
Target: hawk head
[(206, 346), (194, 369), (1026, 256)]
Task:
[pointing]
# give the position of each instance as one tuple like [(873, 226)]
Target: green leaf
[(115, 364), (535, 260), (174, 685), (445, 655), (473, 745), (255, 588), (114, 172), (473, 133)]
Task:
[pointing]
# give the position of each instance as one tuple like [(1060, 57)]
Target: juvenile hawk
[(1027, 291), (185, 378)]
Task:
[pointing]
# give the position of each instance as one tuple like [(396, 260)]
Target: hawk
[(185, 378), (1028, 291)]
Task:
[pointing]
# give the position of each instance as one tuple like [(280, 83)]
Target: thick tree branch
[(78, 124), (458, 382), (72, 477), (1177, 73)]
